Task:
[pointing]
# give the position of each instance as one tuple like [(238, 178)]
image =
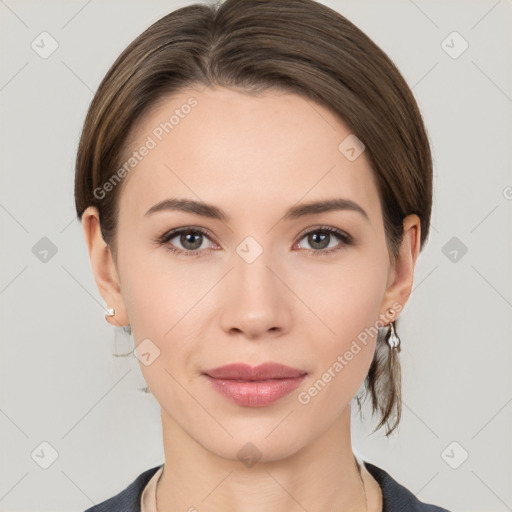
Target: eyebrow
[(295, 212)]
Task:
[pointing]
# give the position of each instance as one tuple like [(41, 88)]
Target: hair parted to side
[(296, 46)]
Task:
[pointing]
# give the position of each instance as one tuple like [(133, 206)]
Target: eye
[(191, 240), (320, 239)]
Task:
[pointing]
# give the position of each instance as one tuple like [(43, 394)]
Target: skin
[(253, 156)]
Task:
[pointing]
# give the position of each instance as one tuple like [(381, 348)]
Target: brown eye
[(319, 240), (191, 241), (323, 240), (184, 240)]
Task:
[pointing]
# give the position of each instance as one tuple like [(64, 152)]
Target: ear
[(103, 267), (402, 273)]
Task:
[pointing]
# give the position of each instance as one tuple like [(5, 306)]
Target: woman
[(254, 181)]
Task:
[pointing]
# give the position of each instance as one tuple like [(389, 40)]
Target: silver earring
[(392, 338), (110, 312)]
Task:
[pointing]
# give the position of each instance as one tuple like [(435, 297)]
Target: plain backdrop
[(67, 401)]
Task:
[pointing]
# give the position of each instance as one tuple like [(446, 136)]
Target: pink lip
[(255, 386)]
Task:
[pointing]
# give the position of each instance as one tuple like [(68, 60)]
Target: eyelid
[(174, 232), (338, 232)]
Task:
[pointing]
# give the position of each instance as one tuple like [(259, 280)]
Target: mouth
[(257, 386)]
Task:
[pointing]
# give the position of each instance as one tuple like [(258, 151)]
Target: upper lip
[(242, 371)]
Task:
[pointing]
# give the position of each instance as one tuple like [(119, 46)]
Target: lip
[(256, 386), (242, 371)]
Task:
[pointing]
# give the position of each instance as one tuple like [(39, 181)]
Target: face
[(254, 277)]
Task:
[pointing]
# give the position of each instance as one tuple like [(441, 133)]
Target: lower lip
[(255, 393)]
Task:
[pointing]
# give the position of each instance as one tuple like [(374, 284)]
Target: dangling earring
[(392, 338), (110, 312)]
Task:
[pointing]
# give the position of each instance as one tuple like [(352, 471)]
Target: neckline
[(388, 486)]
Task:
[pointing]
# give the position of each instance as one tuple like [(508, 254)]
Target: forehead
[(248, 150)]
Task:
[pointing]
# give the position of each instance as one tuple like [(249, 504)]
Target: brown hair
[(297, 46)]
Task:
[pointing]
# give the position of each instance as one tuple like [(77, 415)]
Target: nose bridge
[(251, 273), (255, 298)]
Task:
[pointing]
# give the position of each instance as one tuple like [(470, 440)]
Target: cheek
[(348, 304), (344, 358), (164, 302), (159, 304), (157, 292), (345, 297)]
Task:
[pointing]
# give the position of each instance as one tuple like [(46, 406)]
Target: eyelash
[(163, 240)]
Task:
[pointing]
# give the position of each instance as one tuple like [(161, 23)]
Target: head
[(247, 112)]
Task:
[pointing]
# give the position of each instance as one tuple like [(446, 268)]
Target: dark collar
[(396, 497)]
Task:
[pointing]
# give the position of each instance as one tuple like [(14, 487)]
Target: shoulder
[(128, 500), (396, 497)]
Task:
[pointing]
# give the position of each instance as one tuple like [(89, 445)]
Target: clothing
[(396, 498), (148, 499)]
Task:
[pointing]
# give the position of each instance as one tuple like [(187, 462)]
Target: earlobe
[(103, 267)]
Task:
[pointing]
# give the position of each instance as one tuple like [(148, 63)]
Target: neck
[(322, 475)]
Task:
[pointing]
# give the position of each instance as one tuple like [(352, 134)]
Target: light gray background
[(62, 385)]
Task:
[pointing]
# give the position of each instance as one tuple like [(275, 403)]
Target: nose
[(256, 304)]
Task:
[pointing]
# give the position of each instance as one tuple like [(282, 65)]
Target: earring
[(392, 338), (110, 312)]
